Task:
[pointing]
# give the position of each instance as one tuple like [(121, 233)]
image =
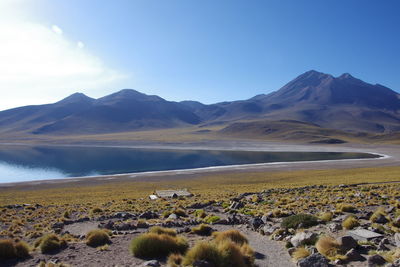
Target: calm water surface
[(28, 163)]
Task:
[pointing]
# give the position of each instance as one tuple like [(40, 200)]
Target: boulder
[(347, 242), (173, 216), (255, 223), (303, 238), (270, 229), (353, 255), (376, 260), (381, 219), (334, 227), (314, 260), (148, 215)]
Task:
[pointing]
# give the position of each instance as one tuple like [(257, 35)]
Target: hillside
[(314, 100)]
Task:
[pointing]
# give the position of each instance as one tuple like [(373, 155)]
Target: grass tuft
[(303, 220), (151, 245), (97, 238), (161, 230), (202, 229), (350, 222)]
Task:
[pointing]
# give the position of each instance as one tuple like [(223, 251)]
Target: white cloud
[(57, 29), (80, 44), (39, 64)]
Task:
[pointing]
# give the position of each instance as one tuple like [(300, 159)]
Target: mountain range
[(344, 103)]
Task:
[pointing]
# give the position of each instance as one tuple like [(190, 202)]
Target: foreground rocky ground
[(307, 226)]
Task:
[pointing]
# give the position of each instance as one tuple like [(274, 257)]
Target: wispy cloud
[(38, 63)]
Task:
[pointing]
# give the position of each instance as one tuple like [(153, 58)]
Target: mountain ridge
[(342, 102)]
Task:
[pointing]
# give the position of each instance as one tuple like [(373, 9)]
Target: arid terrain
[(288, 212)]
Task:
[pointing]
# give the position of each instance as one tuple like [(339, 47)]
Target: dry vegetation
[(283, 196)]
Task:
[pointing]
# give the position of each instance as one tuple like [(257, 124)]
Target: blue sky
[(206, 50)]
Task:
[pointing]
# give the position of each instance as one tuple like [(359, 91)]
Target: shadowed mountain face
[(343, 102)]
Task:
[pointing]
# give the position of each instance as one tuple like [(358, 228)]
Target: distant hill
[(125, 110), (344, 103), (312, 101)]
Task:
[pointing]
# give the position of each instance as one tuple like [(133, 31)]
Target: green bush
[(96, 238), (202, 229), (161, 230), (222, 254), (151, 245), (294, 221), (7, 249), (50, 243), (231, 235), (22, 249), (212, 219)]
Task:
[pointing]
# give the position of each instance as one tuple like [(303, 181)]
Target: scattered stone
[(376, 260), (236, 205), (353, 255), (347, 242), (381, 219), (397, 239), (291, 250), (148, 215), (58, 225), (270, 229), (314, 260), (255, 223), (334, 227), (153, 263), (173, 216), (363, 234), (303, 238)]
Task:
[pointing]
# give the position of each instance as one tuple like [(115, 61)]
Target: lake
[(28, 163)]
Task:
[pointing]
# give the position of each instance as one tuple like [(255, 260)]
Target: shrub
[(212, 219), (96, 238), (96, 210), (232, 235), (343, 207), (202, 229), (294, 221), (300, 253), (22, 249), (151, 245), (350, 222), (174, 260), (326, 216), (222, 254), (328, 246), (50, 243), (202, 251), (161, 230), (200, 213), (7, 249), (180, 212)]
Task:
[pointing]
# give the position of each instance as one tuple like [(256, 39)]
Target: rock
[(363, 234), (270, 229), (314, 260), (353, 255), (153, 263), (57, 225), (173, 216), (223, 222), (381, 247), (108, 225), (202, 263), (376, 260), (303, 238), (334, 227), (142, 225), (381, 219), (390, 209), (265, 218), (347, 242), (148, 215), (255, 223), (236, 205), (397, 239)]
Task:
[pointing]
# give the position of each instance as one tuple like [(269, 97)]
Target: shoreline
[(388, 156)]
